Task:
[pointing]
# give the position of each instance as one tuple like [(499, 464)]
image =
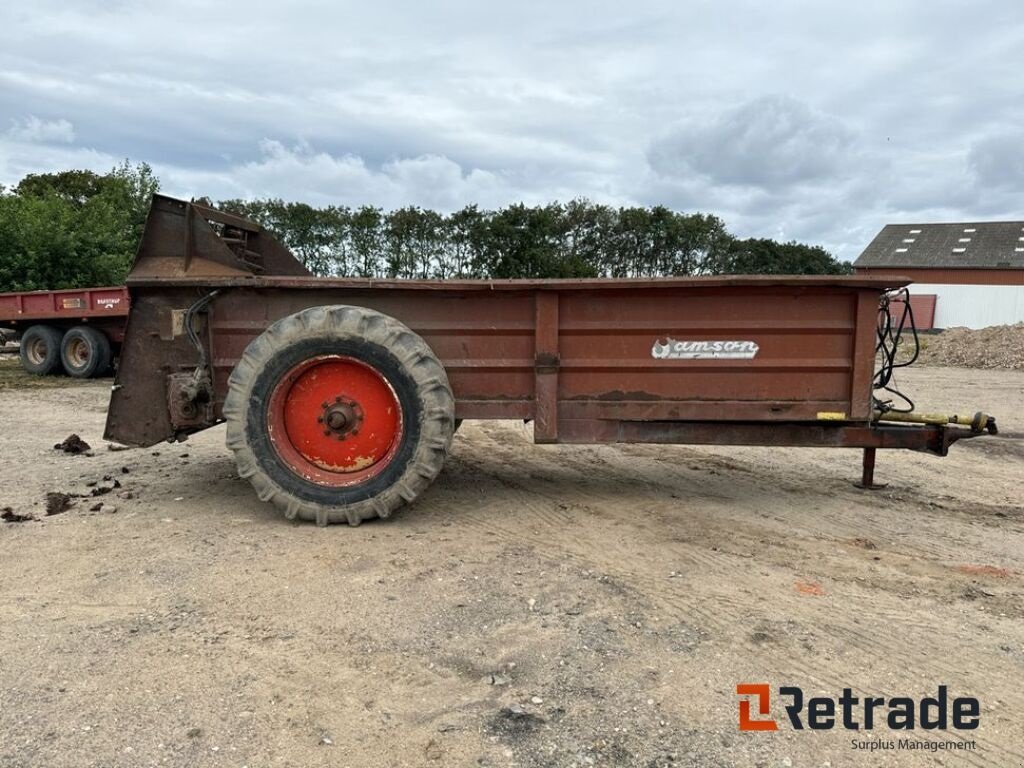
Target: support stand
[(867, 478)]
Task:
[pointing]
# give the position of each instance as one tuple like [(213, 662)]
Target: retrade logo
[(762, 694), (855, 713)]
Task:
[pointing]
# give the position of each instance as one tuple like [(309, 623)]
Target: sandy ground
[(539, 606)]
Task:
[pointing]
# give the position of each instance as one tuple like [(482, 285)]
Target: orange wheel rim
[(335, 421)]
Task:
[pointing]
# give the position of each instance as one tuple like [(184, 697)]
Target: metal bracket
[(189, 401)]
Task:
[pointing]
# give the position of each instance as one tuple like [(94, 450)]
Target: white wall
[(974, 306)]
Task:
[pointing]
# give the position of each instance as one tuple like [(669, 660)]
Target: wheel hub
[(341, 418), (37, 351), (79, 352)]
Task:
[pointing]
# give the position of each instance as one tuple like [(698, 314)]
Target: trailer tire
[(85, 352), (339, 414), (40, 350)]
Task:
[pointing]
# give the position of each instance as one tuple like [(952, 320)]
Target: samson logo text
[(703, 350)]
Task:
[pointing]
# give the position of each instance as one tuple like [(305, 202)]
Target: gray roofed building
[(966, 274), (980, 245)]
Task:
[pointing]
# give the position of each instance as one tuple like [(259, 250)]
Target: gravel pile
[(1001, 346)]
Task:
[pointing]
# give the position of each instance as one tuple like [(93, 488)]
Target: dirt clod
[(10, 516), (433, 750), (72, 444), (57, 502), (516, 720), (102, 490)]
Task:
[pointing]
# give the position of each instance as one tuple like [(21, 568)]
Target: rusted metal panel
[(493, 348), (579, 353), (547, 361), (863, 356), (187, 240)]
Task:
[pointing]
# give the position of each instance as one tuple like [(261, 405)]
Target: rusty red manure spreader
[(341, 396)]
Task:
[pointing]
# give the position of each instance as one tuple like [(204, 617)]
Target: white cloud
[(767, 142), (998, 161), (300, 172), (34, 129)]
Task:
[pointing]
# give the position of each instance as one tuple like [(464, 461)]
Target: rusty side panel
[(599, 363), (555, 356)]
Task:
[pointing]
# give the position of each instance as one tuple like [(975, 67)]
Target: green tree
[(72, 229), (588, 229), (763, 256), (366, 238), (464, 235), (75, 187)]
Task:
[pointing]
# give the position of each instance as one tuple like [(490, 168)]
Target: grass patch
[(13, 376)]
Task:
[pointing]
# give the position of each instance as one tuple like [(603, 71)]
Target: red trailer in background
[(79, 330)]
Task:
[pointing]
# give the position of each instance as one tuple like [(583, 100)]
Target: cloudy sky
[(789, 119)]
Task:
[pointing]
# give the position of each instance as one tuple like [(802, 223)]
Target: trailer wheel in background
[(339, 414), (85, 352), (40, 350)]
